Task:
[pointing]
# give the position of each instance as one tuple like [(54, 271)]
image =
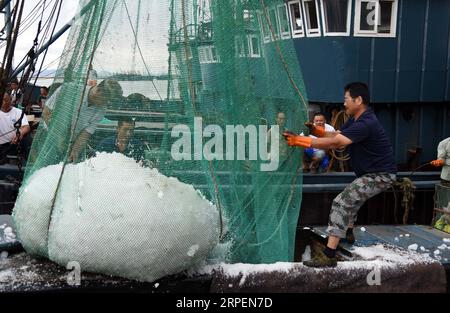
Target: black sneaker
[(321, 260)]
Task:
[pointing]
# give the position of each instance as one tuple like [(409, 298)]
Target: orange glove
[(437, 163), (296, 140), (317, 131)]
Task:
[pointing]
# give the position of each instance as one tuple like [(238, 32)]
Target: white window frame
[(250, 46), (324, 24), (296, 33), (217, 58), (248, 15), (207, 15), (308, 31), (283, 35), (208, 54), (357, 32), (262, 20), (274, 10), (201, 55)]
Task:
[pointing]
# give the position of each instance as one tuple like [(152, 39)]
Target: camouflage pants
[(346, 205)]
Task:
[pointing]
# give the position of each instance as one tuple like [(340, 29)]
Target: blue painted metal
[(409, 74), (412, 67)]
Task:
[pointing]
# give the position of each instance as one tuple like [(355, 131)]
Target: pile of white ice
[(8, 234), (113, 216)]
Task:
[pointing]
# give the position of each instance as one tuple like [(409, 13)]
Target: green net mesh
[(197, 85)]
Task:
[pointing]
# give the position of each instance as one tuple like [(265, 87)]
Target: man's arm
[(337, 141), (24, 130), (331, 134)]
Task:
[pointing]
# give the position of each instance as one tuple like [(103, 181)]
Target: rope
[(283, 61), (17, 126), (4, 134), (192, 94), (10, 46), (407, 187), (417, 168), (291, 195), (28, 21), (94, 13), (344, 158), (339, 120), (46, 51)]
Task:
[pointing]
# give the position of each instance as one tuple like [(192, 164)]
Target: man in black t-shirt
[(372, 159)]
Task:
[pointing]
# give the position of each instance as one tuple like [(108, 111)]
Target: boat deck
[(400, 269), (429, 240)]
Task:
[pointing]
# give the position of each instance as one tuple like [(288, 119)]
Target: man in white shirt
[(314, 157), (443, 159), (9, 138)]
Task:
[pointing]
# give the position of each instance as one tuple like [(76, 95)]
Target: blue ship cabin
[(400, 48)]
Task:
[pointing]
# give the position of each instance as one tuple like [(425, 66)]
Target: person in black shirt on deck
[(372, 159)]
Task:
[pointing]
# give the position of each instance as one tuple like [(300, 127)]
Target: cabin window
[(204, 55), (295, 12), (311, 13), (253, 43), (376, 18), (208, 54), (386, 17), (201, 55), (205, 31), (241, 47), (214, 56), (274, 23), (336, 17), (249, 16), (205, 14), (265, 30), (283, 21)]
